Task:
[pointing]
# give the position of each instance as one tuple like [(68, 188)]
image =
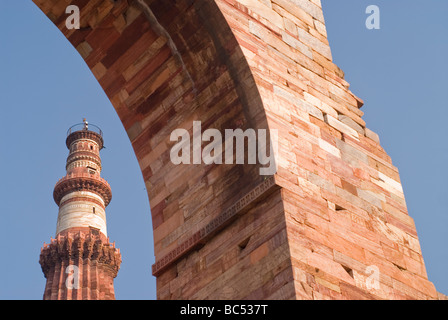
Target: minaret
[(80, 263)]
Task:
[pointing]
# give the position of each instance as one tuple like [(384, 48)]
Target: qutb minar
[(81, 263)]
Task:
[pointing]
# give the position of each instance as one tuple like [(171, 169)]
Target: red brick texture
[(335, 209), (96, 261)]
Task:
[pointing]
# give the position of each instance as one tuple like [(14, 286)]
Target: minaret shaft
[(81, 263)]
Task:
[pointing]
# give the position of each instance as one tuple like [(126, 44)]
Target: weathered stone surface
[(96, 261), (252, 64)]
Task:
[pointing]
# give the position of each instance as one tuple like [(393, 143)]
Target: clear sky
[(400, 71), (45, 87)]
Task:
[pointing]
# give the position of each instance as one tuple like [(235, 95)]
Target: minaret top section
[(84, 130), (82, 194)]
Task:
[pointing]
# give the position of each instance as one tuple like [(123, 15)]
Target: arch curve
[(163, 65), (224, 230)]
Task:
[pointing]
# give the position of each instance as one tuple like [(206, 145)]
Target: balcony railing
[(84, 127)]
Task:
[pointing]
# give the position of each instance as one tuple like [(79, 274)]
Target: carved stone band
[(200, 237)]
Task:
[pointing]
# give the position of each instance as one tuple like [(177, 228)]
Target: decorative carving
[(200, 237), (80, 245), (85, 182), (85, 134), (85, 155)]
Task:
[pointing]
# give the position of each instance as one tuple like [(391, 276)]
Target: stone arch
[(335, 205), (163, 65)]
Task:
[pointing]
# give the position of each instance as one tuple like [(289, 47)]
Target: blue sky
[(45, 87), (400, 73)]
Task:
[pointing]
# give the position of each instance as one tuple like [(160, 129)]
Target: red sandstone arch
[(224, 231), (161, 74)]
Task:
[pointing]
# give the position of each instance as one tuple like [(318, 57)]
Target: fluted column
[(80, 265)]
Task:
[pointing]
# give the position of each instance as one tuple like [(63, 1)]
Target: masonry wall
[(334, 211), (344, 205)]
